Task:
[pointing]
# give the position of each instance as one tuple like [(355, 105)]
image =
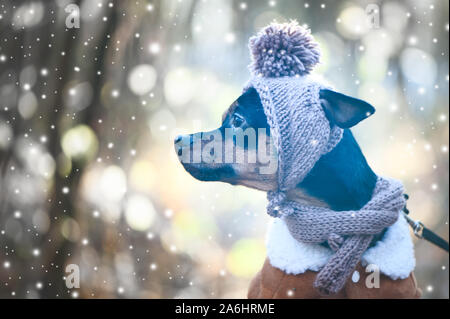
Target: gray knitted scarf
[(348, 233)]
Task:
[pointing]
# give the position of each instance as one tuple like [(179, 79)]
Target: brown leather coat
[(273, 283)]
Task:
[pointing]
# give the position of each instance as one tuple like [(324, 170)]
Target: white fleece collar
[(394, 254)]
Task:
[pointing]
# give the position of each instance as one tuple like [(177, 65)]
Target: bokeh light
[(88, 172)]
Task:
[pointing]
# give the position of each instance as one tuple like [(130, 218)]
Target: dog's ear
[(343, 110)]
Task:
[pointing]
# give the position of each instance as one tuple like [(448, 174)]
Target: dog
[(341, 180), (289, 135)]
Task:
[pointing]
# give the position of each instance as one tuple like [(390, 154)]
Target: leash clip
[(417, 226), (418, 229), (422, 232)]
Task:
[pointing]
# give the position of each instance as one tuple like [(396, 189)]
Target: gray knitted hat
[(282, 57)]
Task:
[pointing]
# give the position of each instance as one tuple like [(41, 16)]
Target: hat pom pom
[(285, 49)]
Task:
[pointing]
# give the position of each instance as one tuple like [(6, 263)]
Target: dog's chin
[(204, 173)]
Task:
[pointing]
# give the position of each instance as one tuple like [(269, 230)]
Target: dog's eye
[(237, 120)]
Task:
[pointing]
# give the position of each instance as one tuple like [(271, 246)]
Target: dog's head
[(241, 152)]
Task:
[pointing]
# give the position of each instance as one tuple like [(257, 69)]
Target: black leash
[(422, 232)]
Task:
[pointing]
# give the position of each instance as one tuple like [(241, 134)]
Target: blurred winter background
[(88, 115)]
